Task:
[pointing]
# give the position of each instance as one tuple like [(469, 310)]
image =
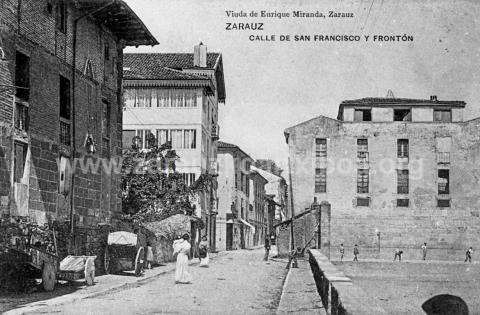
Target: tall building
[(396, 172), (256, 214), (233, 228), (61, 103), (176, 96)]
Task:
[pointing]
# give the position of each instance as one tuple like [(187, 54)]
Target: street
[(236, 282)]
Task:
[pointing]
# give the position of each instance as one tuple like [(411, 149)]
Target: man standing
[(468, 254), (342, 252), (398, 253), (267, 247), (355, 253), (424, 251)]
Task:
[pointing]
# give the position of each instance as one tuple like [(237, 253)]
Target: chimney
[(433, 98), (200, 55)]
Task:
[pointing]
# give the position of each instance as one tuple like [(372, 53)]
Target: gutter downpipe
[(72, 134)]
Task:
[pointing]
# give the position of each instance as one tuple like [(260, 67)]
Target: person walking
[(468, 254), (203, 252), (267, 247), (181, 248), (355, 253), (149, 255), (424, 251), (342, 252)]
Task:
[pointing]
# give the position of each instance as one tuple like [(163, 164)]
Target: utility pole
[(292, 242)]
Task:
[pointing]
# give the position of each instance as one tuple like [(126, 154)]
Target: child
[(342, 252), (468, 254)]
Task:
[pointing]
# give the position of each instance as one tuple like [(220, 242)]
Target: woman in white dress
[(181, 248)]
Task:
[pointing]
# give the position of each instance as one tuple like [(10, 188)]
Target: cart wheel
[(48, 277), (90, 271), (106, 261), (139, 260)]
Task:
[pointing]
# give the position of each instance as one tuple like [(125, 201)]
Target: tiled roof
[(164, 66), (222, 144), (225, 145), (387, 101)]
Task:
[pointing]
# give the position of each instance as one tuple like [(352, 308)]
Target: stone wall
[(96, 193), (447, 231)]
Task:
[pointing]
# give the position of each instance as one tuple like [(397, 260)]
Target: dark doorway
[(229, 238)]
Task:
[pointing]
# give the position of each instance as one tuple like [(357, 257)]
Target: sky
[(273, 85)]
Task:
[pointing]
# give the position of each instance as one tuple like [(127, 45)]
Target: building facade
[(175, 96), (256, 214), (61, 111), (233, 228), (396, 173)]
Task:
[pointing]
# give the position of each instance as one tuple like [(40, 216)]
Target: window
[(402, 115), (129, 97), (443, 181), (443, 203), (19, 161), (64, 98), (64, 133), (162, 136), (403, 202), (236, 180), (362, 115), (402, 181), (402, 148), (362, 181), (188, 178), (442, 115), (320, 180), (143, 98), (320, 147), (105, 119), (176, 138), (362, 150), (64, 176), (127, 138), (61, 18), (21, 116), (189, 139), (22, 76), (363, 202), (143, 135)]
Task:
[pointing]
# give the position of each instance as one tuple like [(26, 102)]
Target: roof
[(401, 102), (254, 173), (269, 176), (172, 66), (117, 16), (229, 147)]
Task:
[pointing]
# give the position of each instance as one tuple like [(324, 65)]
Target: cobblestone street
[(237, 282)]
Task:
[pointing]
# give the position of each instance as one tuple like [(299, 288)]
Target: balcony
[(443, 158), (215, 132)]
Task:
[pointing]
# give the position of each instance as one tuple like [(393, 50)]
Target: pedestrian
[(424, 251), (267, 247), (342, 252), (149, 255), (181, 248), (468, 254), (355, 253), (203, 252), (398, 253)]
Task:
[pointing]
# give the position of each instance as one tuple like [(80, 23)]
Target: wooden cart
[(123, 252)]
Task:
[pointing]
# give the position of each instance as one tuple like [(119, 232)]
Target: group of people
[(398, 253), (181, 248)]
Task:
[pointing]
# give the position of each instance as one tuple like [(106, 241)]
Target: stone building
[(61, 103), (256, 214), (233, 228), (396, 173), (176, 97)]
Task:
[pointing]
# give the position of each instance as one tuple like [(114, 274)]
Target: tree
[(151, 188)]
